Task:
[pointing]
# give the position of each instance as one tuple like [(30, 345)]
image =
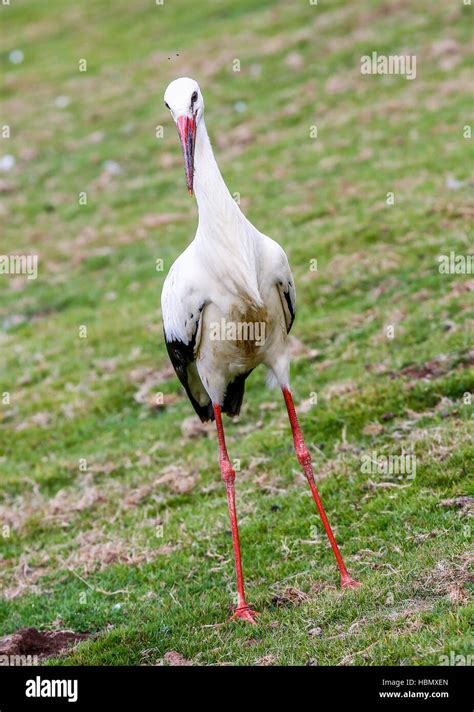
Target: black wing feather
[(288, 294), (182, 357), (234, 394), (290, 309)]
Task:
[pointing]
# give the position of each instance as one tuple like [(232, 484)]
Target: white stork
[(228, 304)]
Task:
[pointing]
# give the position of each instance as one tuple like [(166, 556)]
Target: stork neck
[(225, 237), (214, 200)]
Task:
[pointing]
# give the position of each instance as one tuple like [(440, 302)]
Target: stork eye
[(194, 97), (167, 106)]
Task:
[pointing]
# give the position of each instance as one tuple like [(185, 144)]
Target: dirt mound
[(30, 641)]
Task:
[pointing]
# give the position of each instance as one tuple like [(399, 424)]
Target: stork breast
[(237, 338)]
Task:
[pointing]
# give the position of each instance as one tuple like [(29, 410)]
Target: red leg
[(228, 475), (304, 458)]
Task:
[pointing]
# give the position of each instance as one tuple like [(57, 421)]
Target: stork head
[(184, 100)]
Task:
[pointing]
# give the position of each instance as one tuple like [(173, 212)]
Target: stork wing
[(182, 356), (182, 307), (286, 289), (278, 273)]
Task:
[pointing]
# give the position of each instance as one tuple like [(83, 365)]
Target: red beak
[(187, 135)]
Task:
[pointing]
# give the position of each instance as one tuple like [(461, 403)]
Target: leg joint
[(304, 456), (227, 471)]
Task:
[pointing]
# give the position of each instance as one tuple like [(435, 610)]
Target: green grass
[(83, 463)]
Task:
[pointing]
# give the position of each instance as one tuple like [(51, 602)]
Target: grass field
[(113, 518)]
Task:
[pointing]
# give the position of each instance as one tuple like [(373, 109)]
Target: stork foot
[(348, 582), (246, 614)]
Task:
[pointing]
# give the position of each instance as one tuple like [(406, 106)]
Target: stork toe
[(246, 614), (349, 582)]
